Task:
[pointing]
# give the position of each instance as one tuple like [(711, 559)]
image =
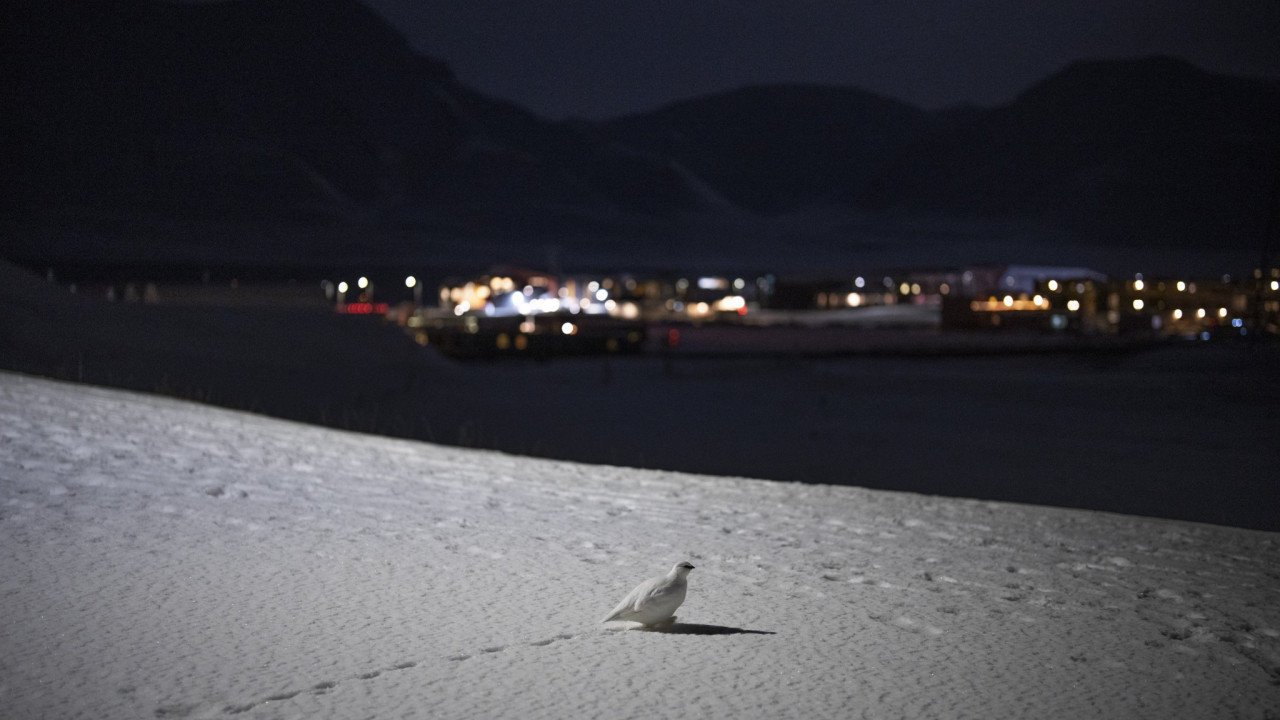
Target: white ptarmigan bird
[(655, 600)]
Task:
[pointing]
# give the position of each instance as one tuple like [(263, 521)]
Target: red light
[(363, 308), (673, 337), (742, 310)]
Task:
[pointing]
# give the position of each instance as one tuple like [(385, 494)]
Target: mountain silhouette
[(260, 131)]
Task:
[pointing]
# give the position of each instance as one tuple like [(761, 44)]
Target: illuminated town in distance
[(511, 311)]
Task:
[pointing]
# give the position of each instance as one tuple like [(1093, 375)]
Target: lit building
[(505, 291), (1027, 297), (1184, 307)]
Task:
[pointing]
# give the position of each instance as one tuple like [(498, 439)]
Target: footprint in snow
[(324, 687)]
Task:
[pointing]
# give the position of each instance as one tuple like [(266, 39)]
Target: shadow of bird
[(695, 629)]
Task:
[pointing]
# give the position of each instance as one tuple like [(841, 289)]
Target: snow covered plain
[(165, 559)]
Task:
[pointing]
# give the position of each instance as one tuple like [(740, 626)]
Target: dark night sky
[(601, 58)]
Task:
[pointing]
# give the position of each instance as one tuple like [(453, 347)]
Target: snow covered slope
[(164, 559)]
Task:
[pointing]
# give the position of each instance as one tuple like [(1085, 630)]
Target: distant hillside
[(1149, 152), (778, 147), (311, 119), (270, 131)]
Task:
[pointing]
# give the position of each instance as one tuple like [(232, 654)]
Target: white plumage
[(655, 600)]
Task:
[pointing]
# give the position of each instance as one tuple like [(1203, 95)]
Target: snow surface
[(165, 559)]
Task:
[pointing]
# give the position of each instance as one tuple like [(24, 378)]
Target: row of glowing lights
[(596, 295), (1201, 313), (912, 289), (734, 303), (363, 283), (858, 299), (474, 295), (526, 305), (1008, 303), (731, 303), (1039, 303), (1182, 286)]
